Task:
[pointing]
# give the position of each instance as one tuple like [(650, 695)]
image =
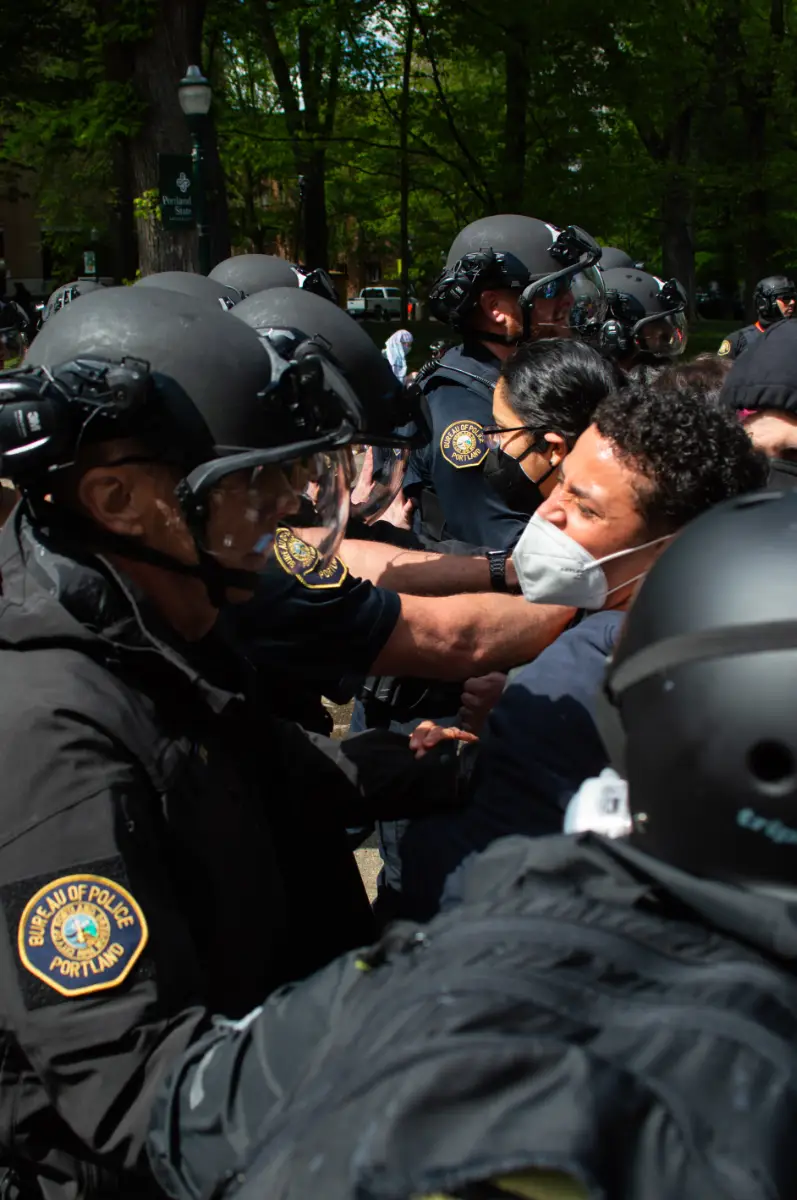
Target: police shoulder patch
[(329, 576), (293, 555), (303, 561), (463, 444), (725, 348), (81, 934)]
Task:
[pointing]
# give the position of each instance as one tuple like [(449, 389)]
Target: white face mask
[(553, 569)]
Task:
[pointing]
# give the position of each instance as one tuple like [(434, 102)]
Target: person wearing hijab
[(397, 347)]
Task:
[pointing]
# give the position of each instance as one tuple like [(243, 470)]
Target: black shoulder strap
[(439, 372)]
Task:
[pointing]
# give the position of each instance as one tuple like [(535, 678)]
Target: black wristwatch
[(497, 560)]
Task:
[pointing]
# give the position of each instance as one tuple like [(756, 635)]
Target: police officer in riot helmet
[(157, 448), (508, 279), (646, 318), (317, 627), (774, 300)]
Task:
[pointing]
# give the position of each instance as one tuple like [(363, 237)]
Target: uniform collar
[(617, 873), (56, 594), (474, 349), (767, 923)]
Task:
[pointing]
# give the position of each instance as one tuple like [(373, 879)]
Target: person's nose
[(552, 509)]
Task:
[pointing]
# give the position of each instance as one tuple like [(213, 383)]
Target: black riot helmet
[(195, 390), (252, 273), (646, 317), (66, 293), (527, 256), (766, 295), (702, 681), (296, 324), (317, 281), (199, 287), (612, 256)]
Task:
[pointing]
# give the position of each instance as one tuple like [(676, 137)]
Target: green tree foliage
[(667, 129)]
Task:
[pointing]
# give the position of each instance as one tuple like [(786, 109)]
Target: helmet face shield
[(236, 512), (589, 300), (572, 300), (664, 337), (375, 479), (323, 511), (13, 345)]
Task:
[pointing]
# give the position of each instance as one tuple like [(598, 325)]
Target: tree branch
[(427, 148), (416, 16), (280, 70)]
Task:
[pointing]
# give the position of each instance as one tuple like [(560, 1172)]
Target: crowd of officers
[(556, 570)]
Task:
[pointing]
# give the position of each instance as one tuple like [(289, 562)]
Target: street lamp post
[(195, 94)]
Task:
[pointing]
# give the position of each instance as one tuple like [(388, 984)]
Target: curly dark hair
[(693, 455), (704, 375)]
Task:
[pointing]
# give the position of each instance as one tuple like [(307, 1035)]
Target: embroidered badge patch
[(292, 554), (81, 934), (463, 444), (303, 562), (725, 348), (330, 576)]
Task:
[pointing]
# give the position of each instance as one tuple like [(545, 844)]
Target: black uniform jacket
[(168, 852), (741, 340), (578, 1007), (466, 507)]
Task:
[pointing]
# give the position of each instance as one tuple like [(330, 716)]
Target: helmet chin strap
[(216, 578), (500, 338)]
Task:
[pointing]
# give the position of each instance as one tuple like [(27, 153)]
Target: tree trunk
[(124, 253), (314, 211), (516, 97), (677, 207), (677, 242), (159, 64), (757, 241), (118, 63), (218, 209), (404, 167)]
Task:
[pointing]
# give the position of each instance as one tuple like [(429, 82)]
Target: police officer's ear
[(119, 491), (498, 306)]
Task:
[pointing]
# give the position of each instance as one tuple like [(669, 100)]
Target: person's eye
[(587, 512)]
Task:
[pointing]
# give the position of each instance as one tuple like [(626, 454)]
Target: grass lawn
[(703, 336)]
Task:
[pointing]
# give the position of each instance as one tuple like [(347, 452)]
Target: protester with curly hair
[(652, 460)]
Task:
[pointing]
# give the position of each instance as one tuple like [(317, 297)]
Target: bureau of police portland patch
[(463, 444), (81, 934)]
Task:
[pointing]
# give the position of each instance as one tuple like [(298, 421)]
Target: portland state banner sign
[(176, 187)]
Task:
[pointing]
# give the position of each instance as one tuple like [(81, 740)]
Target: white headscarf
[(397, 348)]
